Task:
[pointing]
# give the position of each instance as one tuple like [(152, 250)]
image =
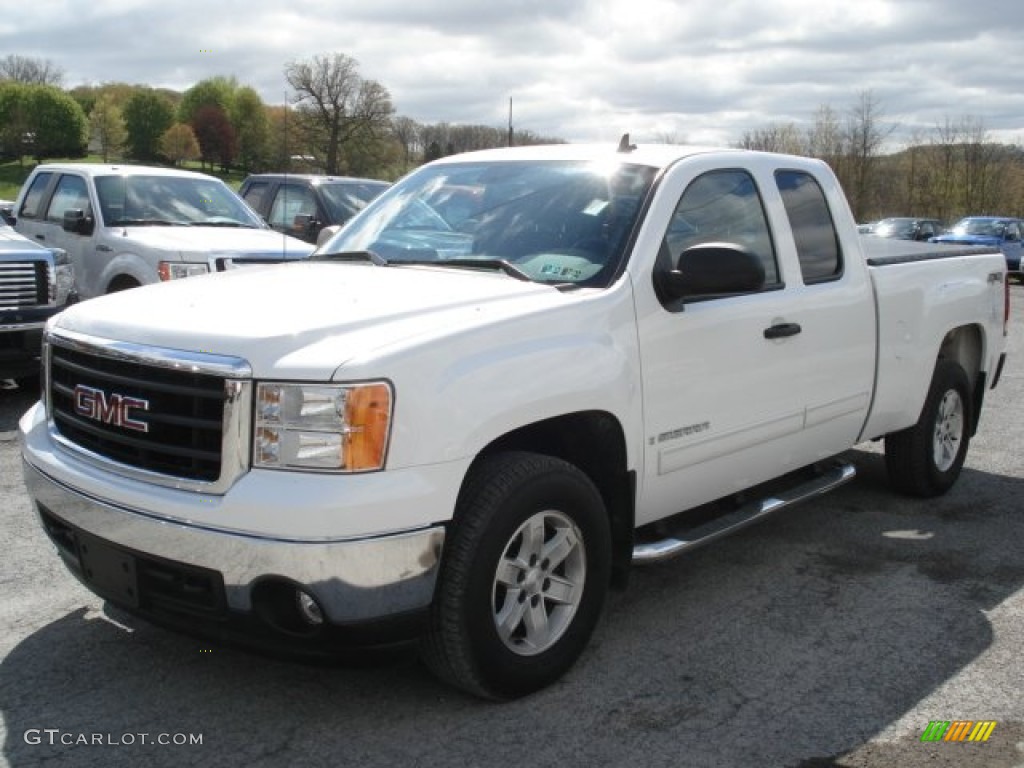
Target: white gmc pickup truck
[(511, 376)]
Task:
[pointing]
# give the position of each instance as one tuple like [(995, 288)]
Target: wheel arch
[(965, 345), (594, 442)]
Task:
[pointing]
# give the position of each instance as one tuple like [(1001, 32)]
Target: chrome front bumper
[(354, 581)]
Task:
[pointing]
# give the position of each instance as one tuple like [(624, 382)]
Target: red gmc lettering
[(114, 409)]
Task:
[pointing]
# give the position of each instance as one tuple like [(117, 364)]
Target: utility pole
[(510, 121)]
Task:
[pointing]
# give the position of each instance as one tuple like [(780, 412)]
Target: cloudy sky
[(703, 71)]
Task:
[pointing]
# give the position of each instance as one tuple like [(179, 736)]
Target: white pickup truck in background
[(125, 225), (513, 375)]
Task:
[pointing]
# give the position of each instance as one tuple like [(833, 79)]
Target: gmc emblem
[(110, 409)]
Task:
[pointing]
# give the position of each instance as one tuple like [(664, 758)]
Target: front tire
[(925, 459), (523, 579)]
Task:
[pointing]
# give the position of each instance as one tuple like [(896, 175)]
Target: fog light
[(308, 608)]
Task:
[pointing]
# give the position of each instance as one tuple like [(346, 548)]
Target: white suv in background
[(124, 226)]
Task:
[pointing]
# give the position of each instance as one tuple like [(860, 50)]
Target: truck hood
[(193, 241), (304, 320)]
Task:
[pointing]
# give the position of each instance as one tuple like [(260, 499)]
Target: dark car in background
[(1002, 232), (907, 228), (307, 206)]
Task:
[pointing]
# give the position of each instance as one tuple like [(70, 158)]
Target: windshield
[(554, 222), (892, 227), (171, 200), (987, 227), (345, 199)]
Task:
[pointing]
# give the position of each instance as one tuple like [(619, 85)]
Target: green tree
[(336, 106), (13, 119), (147, 115), (216, 136), (56, 125), (249, 118), (179, 144), (107, 125), (216, 91)]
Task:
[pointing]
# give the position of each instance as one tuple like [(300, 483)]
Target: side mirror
[(713, 269), (7, 214), (304, 222), (76, 222), (326, 234)]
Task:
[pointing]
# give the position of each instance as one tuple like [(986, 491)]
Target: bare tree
[(407, 133), (23, 69), (865, 137), (336, 105), (944, 160), (775, 137), (825, 139)]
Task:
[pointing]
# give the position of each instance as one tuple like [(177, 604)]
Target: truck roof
[(313, 178), (654, 155), (120, 169)]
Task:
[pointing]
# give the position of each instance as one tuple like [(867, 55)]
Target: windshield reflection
[(557, 222)]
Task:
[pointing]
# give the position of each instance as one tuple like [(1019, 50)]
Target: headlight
[(321, 426), (62, 282), (174, 270)]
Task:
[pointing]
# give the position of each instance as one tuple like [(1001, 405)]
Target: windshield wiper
[(493, 264), (238, 224), (369, 256)]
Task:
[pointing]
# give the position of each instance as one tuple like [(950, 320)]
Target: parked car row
[(311, 208), (106, 228), (1003, 232), (999, 231), (35, 283)]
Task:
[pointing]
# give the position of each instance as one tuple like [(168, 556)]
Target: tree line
[(953, 170), (336, 122), (339, 122)]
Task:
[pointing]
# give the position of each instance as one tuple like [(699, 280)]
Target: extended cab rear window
[(817, 244)]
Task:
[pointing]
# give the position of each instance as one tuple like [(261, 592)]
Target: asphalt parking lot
[(830, 635)]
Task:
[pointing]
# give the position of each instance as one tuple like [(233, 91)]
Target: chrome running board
[(836, 474)]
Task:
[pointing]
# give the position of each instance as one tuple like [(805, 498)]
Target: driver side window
[(722, 207), (70, 194)]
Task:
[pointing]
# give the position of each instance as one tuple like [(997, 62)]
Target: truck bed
[(884, 251)]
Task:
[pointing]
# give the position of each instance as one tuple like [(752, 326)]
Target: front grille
[(23, 284), (97, 403)]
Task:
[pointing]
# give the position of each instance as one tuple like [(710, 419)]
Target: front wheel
[(926, 459), (524, 577)]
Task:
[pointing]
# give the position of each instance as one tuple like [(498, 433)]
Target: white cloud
[(704, 70)]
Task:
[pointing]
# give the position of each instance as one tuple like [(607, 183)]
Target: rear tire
[(524, 576), (925, 459)]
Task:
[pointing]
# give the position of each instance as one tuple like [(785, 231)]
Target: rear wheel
[(926, 459), (525, 573)]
